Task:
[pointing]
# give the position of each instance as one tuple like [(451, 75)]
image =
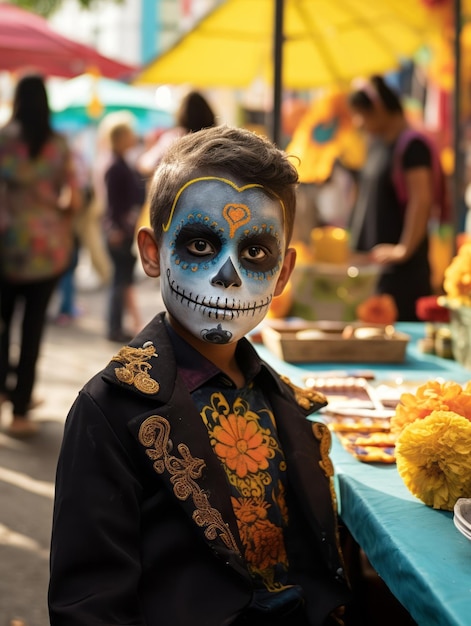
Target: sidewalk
[(69, 357)]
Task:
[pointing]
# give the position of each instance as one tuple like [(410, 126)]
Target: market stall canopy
[(324, 136), (28, 42), (325, 42), (86, 99)]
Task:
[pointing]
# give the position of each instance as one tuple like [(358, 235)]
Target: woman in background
[(38, 198), (194, 113), (393, 233)]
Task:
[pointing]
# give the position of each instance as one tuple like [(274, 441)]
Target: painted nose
[(227, 276)]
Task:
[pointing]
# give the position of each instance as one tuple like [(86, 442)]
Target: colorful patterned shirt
[(243, 434)]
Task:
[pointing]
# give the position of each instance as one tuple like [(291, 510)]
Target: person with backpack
[(399, 191)]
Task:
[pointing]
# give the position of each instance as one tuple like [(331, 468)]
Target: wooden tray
[(303, 342)]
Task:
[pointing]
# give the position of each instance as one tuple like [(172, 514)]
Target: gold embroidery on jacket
[(323, 435), (135, 370), (306, 398), (154, 434)]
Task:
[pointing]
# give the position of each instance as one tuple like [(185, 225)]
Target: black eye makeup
[(259, 252), (197, 242)]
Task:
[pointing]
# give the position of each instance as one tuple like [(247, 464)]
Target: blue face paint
[(221, 256)]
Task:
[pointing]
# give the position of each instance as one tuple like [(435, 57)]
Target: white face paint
[(221, 255)]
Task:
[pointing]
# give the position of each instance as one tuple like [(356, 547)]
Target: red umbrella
[(28, 42)]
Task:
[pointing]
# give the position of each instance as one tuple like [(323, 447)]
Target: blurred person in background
[(91, 227), (38, 198), (125, 196), (68, 309), (193, 114), (394, 234)]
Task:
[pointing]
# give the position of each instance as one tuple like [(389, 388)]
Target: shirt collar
[(196, 370)]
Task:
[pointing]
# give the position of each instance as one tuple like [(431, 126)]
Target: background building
[(133, 31)]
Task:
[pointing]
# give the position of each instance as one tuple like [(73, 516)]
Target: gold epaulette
[(136, 366), (306, 398)]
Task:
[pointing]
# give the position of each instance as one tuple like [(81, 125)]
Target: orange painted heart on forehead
[(236, 215)]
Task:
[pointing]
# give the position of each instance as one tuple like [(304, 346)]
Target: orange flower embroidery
[(241, 445), (263, 541)]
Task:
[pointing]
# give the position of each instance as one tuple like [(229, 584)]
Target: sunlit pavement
[(70, 356)]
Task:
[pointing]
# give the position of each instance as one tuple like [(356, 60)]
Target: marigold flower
[(433, 457), (377, 309), (457, 276), (432, 396)]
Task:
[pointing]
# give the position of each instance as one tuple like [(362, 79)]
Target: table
[(417, 551)]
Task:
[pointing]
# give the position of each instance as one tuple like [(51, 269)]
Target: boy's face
[(221, 254)]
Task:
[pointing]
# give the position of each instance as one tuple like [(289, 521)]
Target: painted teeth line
[(219, 313), (215, 310)]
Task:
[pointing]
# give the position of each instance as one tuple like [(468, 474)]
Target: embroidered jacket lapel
[(308, 465), (175, 441)]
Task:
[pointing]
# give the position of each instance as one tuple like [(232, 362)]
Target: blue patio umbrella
[(86, 99)]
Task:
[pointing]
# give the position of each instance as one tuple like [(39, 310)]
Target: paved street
[(69, 357)]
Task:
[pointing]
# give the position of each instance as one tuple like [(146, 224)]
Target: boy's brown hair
[(248, 157)]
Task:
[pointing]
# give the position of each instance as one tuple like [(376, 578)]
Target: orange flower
[(379, 309), (249, 510), (263, 541), (432, 396), (241, 445)]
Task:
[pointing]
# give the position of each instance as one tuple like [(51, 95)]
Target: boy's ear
[(288, 266), (149, 252)]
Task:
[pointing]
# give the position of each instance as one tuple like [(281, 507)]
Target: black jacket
[(144, 532)]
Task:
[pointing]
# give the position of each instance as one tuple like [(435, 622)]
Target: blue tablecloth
[(421, 556), (416, 366)]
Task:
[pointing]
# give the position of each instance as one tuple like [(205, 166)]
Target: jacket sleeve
[(95, 561)]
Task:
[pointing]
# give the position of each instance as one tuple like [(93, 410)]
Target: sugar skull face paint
[(221, 256)]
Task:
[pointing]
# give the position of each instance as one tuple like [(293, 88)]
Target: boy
[(125, 196), (191, 488)]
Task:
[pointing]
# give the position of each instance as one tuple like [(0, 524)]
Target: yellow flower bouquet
[(457, 278), (433, 447), (457, 298)]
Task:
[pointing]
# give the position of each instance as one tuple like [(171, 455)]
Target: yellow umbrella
[(324, 42)]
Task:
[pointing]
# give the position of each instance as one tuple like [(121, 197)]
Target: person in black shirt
[(125, 196), (393, 232)]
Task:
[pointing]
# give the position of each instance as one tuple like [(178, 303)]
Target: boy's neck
[(223, 356)]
